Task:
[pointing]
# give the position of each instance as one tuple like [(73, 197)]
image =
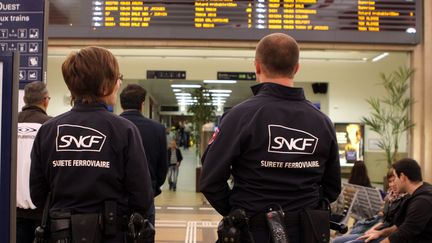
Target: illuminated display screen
[(350, 138), (355, 21)]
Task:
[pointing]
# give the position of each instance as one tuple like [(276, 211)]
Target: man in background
[(30, 119), (153, 137)]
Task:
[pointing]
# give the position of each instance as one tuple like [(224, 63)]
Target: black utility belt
[(63, 220), (90, 226), (259, 220), (107, 222), (66, 220), (64, 225)]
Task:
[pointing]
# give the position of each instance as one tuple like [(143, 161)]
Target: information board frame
[(81, 28)]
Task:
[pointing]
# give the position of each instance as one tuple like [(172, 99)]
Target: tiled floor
[(184, 215)]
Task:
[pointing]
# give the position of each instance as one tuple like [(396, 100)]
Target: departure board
[(352, 21)]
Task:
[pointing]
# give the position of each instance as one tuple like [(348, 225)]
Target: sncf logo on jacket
[(79, 138), (287, 140)]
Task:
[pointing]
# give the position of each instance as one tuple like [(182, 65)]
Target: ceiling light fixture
[(220, 81), (380, 56), (185, 86), (220, 91), (220, 95), (182, 94)]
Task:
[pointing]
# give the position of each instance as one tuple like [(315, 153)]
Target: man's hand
[(370, 235), (374, 227), (373, 234)]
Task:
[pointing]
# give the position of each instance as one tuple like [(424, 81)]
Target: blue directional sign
[(22, 29)]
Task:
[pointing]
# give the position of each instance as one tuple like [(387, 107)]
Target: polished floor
[(185, 215)]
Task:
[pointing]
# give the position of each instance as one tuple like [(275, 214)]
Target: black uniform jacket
[(414, 219), (279, 149), (86, 156), (154, 141)]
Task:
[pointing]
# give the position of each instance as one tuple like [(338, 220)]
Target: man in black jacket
[(413, 222), (32, 116), (278, 147), (152, 134)]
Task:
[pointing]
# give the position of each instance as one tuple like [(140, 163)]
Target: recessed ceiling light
[(220, 81), (185, 86), (220, 95), (220, 91), (182, 94), (380, 56)]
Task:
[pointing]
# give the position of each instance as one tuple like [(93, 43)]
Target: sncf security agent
[(281, 151), (90, 161)]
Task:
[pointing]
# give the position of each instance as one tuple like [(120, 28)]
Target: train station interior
[(339, 72)]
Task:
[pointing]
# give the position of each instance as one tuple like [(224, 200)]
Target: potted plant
[(203, 112), (390, 116)]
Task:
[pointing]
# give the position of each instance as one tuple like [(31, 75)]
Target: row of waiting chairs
[(358, 202)]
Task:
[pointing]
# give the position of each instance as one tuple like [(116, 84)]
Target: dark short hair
[(410, 168), (132, 97), (390, 174), (278, 54), (35, 92), (90, 74)]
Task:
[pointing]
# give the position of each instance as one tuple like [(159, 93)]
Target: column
[(421, 141)]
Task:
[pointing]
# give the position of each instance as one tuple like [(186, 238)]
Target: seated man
[(383, 219), (413, 222)]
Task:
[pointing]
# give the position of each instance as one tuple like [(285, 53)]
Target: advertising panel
[(350, 137)]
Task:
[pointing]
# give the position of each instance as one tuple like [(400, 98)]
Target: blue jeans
[(173, 171), (346, 238), (364, 225), (351, 238)]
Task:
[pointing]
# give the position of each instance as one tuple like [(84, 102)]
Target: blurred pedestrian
[(175, 158), (30, 119)]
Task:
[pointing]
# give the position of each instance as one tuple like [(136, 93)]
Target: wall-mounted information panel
[(352, 21), (22, 29)]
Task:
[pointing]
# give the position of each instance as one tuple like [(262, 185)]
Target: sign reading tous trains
[(22, 29), (352, 21)]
